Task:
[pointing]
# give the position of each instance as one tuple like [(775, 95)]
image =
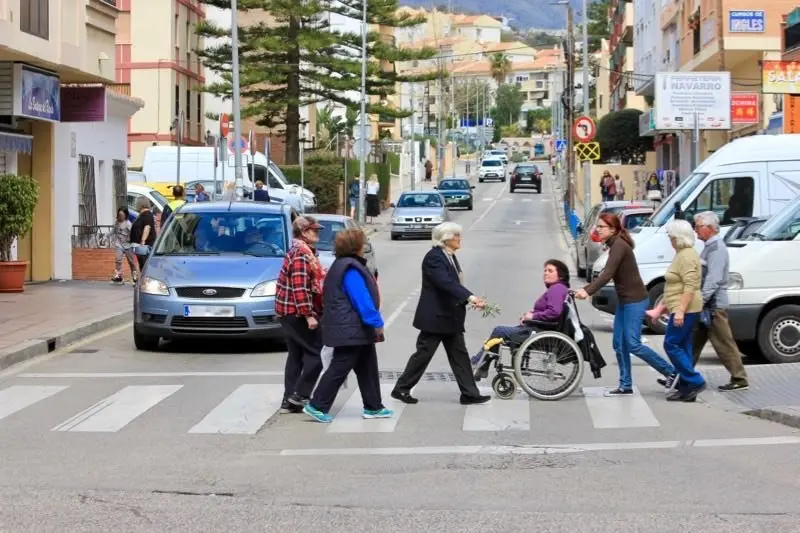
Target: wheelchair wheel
[(504, 386), (548, 366)]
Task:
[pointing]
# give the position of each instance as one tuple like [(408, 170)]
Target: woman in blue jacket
[(351, 325)]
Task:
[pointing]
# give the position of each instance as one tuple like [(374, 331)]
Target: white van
[(197, 164), (748, 177), (764, 286)]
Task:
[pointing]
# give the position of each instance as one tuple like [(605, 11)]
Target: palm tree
[(500, 66)]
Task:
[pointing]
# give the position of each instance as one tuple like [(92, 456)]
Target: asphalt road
[(105, 438)]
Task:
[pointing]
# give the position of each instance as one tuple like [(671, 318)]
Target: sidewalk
[(51, 315)]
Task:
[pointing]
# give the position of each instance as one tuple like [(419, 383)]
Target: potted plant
[(18, 198)]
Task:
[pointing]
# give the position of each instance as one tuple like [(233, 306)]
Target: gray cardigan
[(715, 260)]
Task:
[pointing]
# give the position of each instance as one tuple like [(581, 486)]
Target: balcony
[(627, 25)]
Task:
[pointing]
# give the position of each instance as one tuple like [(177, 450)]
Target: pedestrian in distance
[(143, 231), (683, 301), (299, 307), (715, 327), (123, 247), (260, 194), (632, 303), (351, 325), (178, 200), (440, 316)]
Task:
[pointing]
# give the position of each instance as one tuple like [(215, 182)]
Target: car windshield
[(453, 185), (784, 226), (419, 200), (492, 163), (328, 234), (527, 168), (224, 233), (158, 198), (667, 207)]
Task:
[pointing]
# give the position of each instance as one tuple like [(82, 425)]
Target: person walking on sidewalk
[(683, 301), (633, 301), (351, 325), (123, 247), (716, 262), (298, 306), (440, 316), (143, 231)]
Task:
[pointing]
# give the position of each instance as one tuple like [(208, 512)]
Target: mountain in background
[(524, 14)]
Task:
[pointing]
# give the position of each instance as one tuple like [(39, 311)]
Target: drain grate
[(394, 375), (84, 350)]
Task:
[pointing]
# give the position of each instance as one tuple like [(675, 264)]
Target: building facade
[(157, 61), (621, 58), (55, 57)]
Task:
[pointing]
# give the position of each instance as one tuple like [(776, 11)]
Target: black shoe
[(669, 382), (297, 400), (734, 386), (404, 397), (619, 392), (687, 395), (287, 408), (474, 400)]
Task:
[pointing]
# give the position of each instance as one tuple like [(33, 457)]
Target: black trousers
[(457, 355), (303, 362), (363, 360)]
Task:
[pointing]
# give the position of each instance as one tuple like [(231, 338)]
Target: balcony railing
[(120, 88), (110, 2)]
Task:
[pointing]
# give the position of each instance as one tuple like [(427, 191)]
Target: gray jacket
[(716, 263)]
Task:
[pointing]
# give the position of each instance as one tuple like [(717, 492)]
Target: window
[(87, 199), (727, 197), (199, 108), (120, 183), (35, 17), (600, 100), (188, 107), (696, 41), (633, 221), (328, 233), (419, 200), (177, 100)]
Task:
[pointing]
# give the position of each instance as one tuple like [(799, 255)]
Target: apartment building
[(602, 87), (621, 60), (58, 123), (157, 61), (778, 79)]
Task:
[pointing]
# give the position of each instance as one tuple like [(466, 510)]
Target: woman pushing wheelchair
[(547, 309)]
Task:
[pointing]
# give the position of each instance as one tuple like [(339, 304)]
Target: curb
[(786, 415), (35, 347)]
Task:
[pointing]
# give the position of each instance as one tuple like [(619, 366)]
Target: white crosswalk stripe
[(248, 407)]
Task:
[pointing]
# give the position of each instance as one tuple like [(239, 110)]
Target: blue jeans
[(628, 340), (679, 348)]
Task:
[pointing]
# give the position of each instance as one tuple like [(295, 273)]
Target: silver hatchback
[(333, 224), (416, 213)]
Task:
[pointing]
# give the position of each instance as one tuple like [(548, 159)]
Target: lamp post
[(362, 164), (177, 125), (237, 112)]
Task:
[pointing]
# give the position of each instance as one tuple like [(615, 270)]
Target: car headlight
[(153, 286), (437, 220), (395, 220), (308, 201), (735, 281), (264, 289)]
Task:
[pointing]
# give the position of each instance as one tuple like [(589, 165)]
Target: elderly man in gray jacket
[(715, 298)]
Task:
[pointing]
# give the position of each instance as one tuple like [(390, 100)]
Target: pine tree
[(299, 60)]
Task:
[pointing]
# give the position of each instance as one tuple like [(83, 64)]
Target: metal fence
[(92, 237)]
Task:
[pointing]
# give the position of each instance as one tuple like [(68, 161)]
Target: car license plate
[(416, 226), (492, 174), (452, 200), (209, 311), (526, 178)]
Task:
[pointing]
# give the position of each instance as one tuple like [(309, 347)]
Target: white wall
[(647, 41), (105, 141)]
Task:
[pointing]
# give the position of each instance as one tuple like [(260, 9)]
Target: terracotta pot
[(12, 276)]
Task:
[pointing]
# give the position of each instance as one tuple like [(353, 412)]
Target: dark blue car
[(457, 192)]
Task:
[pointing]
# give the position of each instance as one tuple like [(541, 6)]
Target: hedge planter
[(12, 276)]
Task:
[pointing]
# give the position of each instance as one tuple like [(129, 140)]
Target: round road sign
[(584, 129)]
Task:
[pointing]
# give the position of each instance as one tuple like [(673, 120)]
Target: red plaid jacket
[(299, 291)]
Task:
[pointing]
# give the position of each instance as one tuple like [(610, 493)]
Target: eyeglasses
[(602, 226)]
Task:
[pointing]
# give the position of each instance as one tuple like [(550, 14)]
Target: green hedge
[(381, 169)]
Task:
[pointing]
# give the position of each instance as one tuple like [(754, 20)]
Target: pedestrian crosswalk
[(247, 409)]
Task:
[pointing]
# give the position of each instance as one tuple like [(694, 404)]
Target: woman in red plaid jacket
[(298, 305)]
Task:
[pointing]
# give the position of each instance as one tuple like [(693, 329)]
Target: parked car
[(526, 175), (333, 224), (417, 213), (500, 154), (157, 200), (456, 193), (743, 227), (588, 247), (212, 273), (492, 168)]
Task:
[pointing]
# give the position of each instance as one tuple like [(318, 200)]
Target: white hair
[(708, 218), (444, 232), (682, 233)]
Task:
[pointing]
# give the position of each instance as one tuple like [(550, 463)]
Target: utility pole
[(237, 112), (413, 155), (440, 124), (362, 165), (570, 111), (587, 165)]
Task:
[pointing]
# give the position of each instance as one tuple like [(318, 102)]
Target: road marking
[(349, 420), (527, 199), (243, 412), (534, 449), (618, 412), (508, 199), (79, 375), (488, 199), (544, 199), (517, 222), (488, 209), (118, 410), (498, 415), (19, 397)]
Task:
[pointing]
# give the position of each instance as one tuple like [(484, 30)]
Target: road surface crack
[(135, 511)]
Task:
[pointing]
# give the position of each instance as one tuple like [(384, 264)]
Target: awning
[(16, 142)]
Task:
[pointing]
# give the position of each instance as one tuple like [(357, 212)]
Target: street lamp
[(237, 112), (362, 164), (177, 126)]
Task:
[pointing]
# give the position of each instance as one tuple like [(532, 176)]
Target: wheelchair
[(550, 353)]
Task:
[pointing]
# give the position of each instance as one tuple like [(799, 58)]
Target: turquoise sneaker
[(316, 414), (380, 413)]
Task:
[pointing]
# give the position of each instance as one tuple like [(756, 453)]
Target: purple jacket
[(549, 306)]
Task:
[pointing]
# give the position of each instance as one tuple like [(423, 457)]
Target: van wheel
[(779, 334), (656, 294), (145, 342)]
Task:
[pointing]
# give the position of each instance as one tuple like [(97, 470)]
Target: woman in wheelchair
[(547, 309)]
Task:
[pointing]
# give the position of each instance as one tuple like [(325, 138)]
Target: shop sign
[(746, 21), (744, 108), (83, 104), (37, 94), (682, 96), (780, 77)]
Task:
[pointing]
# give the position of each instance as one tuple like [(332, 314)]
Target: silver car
[(333, 224), (416, 213)]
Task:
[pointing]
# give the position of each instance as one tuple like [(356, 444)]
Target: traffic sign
[(561, 145), (242, 144), (588, 151), (584, 129), (362, 146), (224, 125)]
